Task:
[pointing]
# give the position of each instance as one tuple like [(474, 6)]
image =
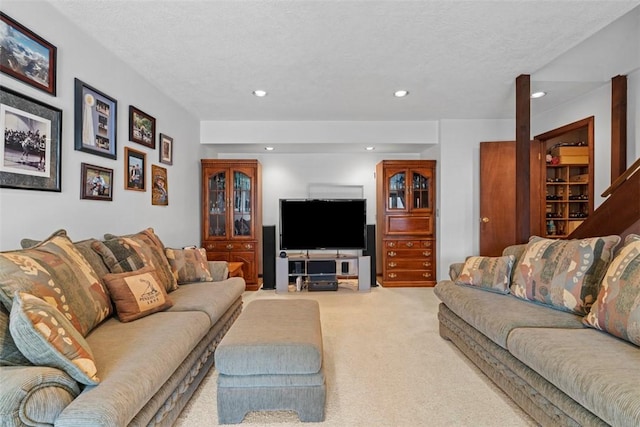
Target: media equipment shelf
[(322, 271)]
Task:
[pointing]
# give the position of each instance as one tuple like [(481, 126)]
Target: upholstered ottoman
[(271, 359)]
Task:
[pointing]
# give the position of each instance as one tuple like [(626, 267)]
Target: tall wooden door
[(498, 195)]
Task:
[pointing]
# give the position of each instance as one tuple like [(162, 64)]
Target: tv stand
[(322, 271)]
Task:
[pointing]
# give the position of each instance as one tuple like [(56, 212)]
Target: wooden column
[(523, 158), (618, 126)]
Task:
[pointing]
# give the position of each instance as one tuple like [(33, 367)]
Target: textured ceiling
[(342, 60)]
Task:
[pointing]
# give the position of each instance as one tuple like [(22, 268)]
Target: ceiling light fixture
[(260, 93), (401, 93), (269, 148), (538, 94), (370, 148)]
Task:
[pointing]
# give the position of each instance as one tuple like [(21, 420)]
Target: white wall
[(36, 214)]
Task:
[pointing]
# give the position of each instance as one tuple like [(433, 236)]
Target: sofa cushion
[(134, 360), (211, 298), (119, 256), (189, 265), (137, 293), (564, 274), (10, 355), (478, 308), (47, 338), (490, 273), (151, 249), (56, 271), (597, 370), (617, 309)]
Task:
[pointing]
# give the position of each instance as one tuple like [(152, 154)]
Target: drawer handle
[(426, 253), (229, 246), (392, 253), (391, 244), (248, 246), (409, 244), (392, 275), (427, 244), (426, 264), (392, 264), (210, 246), (426, 275)]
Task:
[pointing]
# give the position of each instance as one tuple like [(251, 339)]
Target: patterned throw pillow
[(118, 255), (137, 293), (489, 273), (189, 265), (563, 274), (10, 355), (56, 271), (151, 250), (47, 338), (617, 309)]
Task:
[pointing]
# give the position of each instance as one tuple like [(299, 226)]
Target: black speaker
[(371, 251), (269, 257)]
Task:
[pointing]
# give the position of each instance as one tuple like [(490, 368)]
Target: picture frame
[(20, 42), (166, 149), (95, 121), (96, 182), (31, 147), (134, 170), (160, 190), (142, 127)]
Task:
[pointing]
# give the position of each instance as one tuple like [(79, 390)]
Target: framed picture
[(135, 163), (26, 56), (160, 191), (166, 149), (95, 121), (96, 182), (31, 149), (142, 127)]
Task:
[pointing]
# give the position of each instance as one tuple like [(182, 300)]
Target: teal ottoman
[(271, 359)]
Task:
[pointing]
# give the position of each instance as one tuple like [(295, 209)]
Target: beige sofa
[(145, 370), (568, 355)]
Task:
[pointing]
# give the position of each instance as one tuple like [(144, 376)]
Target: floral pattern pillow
[(45, 336), (489, 273), (617, 309), (563, 274)]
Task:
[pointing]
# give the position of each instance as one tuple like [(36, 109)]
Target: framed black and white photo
[(95, 121), (30, 153), (166, 149), (96, 182), (142, 127), (26, 56)]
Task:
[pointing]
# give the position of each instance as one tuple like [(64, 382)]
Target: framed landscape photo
[(26, 56), (95, 121), (166, 149), (96, 182), (160, 191), (31, 149), (142, 128), (135, 163)]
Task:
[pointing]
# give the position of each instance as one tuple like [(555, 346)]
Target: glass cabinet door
[(397, 191), (217, 204), (241, 204), (421, 183)]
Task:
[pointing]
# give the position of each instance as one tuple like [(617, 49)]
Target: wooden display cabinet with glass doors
[(232, 214), (405, 236)]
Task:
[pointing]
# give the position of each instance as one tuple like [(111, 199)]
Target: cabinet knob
[(391, 244), (409, 244), (209, 246), (392, 253), (229, 246), (426, 275), (392, 264), (248, 246), (392, 275), (426, 264), (485, 219), (426, 253)]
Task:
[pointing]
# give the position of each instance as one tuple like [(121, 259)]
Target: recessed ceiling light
[(269, 148), (260, 93), (400, 93), (539, 94), (370, 148)]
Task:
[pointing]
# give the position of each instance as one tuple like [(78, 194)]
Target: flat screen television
[(307, 224)]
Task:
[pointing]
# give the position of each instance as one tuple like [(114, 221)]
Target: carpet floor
[(385, 365)]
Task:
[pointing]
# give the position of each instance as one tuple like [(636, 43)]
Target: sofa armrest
[(34, 395), (219, 270), (455, 269)]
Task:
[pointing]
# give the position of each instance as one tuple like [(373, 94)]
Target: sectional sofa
[(108, 332), (555, 324)]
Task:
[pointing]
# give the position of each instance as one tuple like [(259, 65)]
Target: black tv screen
[(323, 224)]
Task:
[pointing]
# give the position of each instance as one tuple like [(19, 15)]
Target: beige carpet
[(385, 365)]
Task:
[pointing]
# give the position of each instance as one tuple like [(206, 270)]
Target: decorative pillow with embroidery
[(489, 273), (189, 265), (137, 293), (57, 272), (563, 274), (45, 336), (617, 309), (118, 255)]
